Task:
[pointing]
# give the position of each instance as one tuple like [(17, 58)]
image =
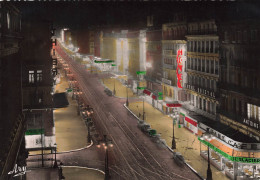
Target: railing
[(166, 81), (202, 32), (167, 52), (168, 66)]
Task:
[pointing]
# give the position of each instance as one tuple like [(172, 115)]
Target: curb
[(168, 146), (74, 150), (85, 168)]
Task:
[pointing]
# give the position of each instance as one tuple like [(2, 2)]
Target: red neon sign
[(179, 68)]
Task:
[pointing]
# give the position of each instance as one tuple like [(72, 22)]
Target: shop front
[(191, 124), (234, 167), (148, 96), (170, 107)]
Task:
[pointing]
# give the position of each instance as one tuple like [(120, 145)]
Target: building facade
[(174, 58), (239, 81), (202, 67), (12, 122), (153, 64), (37, 82)]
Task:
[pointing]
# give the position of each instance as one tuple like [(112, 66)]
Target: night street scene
[(144, 90)]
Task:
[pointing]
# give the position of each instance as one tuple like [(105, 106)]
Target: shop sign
[(140, 72), (179, 68), (34, 131), (231, 142), (251, 123), (232, 158)]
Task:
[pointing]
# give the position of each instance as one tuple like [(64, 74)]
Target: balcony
[(166, 81), (202, 32), (205, 91), (250, 92), (168, 66), (167, 52)]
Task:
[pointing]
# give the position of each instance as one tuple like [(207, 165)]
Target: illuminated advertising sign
[(179, 68), (232, 158)]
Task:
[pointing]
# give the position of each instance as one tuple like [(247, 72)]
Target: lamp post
[(89, 114), (127, 102), (143, 108), (173, 138), (55, 161), (114, 91), (106, 143), (207, 136)]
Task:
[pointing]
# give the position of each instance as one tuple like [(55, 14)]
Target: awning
[(173, 105), (154, 97), (147, 92), (194, 123)]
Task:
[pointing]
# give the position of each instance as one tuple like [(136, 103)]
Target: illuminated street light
[(105, 144)]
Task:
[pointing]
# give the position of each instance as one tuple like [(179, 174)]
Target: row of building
[(204, 73)]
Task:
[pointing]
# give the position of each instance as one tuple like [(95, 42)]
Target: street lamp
[(173, 138), (114, 91), (143, 108), (106, 143), (55, 162), (127, 102), (207, 136)]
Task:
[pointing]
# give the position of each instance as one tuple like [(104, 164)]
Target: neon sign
[(179, 68)]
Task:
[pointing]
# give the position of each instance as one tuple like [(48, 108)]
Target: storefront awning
[(173, 105), (154, 97), (147, 92), (194, 123)]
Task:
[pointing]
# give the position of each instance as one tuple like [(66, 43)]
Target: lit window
[(8, 20), (39, 75), (31, 76)]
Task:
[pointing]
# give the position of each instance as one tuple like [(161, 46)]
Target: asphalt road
[(134, 155)]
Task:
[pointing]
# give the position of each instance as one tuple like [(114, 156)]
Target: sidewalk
[(42, 174), (71, 131), (119, 87), (186, 142)]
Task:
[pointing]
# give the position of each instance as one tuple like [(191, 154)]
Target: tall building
[(239, 78), (12, 122), (153, 65), (37, 82), (174, 51), (202, 69)]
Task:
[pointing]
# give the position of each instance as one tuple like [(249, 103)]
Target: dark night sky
[(81, 14)]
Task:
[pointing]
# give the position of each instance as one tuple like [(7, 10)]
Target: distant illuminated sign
[(179, 68)]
